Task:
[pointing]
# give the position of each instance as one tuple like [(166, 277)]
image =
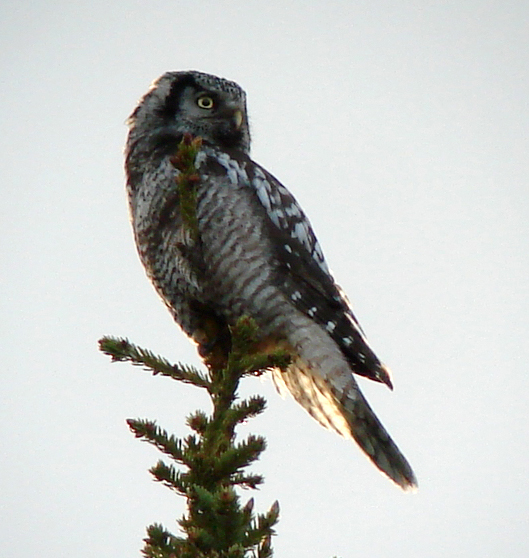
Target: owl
[(254, 254)]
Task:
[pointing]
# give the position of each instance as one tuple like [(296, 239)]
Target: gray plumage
[(255, 255)]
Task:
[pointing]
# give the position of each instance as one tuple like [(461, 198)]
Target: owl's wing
[(304, 276)]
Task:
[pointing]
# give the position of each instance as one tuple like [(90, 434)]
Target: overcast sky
[(403, 130)]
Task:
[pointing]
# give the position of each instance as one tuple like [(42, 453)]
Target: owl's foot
[(213, 343)]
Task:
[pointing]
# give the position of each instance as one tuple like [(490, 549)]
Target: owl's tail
[(376, 443), (347, 412), (321, 380)]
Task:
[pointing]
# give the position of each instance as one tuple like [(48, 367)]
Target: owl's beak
[(237, 118)]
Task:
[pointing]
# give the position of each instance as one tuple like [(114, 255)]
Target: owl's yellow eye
[(205, 102)]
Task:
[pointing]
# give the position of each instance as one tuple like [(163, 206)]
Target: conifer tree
[(214, 464)]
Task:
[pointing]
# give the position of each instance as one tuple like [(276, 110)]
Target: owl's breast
[(237, 253), (169, 253)]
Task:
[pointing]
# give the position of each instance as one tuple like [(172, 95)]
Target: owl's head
[(194, 102)]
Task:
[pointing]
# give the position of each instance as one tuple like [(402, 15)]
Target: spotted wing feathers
[(308, 280)]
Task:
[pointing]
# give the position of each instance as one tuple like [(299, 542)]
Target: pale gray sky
[(403, 130)]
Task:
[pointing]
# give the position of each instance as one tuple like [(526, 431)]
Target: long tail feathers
[(350, 415), (377, 444)]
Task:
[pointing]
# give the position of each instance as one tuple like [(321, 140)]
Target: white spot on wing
[(300, 232), (232, 175), (286, 215), (357, 327), (292, 210)]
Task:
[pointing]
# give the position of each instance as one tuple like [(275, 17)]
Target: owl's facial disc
[(220, 110), (204, 106), (223, 119)]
